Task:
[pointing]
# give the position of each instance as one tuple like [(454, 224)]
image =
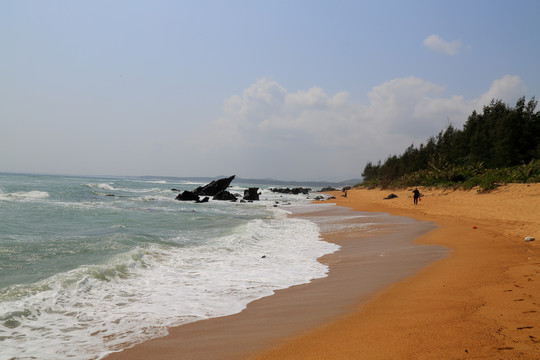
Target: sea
[(91, 265)]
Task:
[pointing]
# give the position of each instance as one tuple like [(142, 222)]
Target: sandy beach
[(480, 303), (478, 300)]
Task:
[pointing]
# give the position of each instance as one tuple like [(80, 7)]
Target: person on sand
[(416, 196)]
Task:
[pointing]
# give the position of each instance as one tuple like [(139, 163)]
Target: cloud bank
[(306, 133), (438, 44)]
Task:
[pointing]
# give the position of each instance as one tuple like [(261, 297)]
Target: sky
[(290, 90)]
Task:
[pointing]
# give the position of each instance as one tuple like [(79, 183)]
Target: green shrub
[(465, 177)]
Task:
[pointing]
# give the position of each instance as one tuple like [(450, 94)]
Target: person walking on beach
[(416, 196)]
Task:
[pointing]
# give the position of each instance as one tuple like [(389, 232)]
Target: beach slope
[(482, 302), (376, 250)]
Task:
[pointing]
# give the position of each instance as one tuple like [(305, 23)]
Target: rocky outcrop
[(224, 195), (187, 196), (295, 191), (251, 194), (215, 187), (328, 188)]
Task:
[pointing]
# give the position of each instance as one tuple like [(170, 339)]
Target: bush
[(465, 177)]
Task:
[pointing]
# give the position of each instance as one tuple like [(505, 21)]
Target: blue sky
[(295, 90)]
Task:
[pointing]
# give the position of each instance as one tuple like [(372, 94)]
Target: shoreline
[(356, 272), (482, 302)]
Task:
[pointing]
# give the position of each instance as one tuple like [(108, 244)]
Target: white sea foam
[(102, 186), (24, 195), (192, 183), (97, 309), (154, 198), (149, 181)]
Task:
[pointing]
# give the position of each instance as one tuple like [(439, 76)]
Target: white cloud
[(438, 44), (509, 88), (282, 130)]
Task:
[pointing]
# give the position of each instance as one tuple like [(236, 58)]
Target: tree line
[(500, 136)]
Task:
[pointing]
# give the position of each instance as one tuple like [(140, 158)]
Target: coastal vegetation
[(500, 145)]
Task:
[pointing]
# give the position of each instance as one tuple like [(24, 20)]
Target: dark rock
[(204, 200), (457, 178), (295, 191), (176, 190), (187, 196), (215, 187), (328, 188), (251, 194), (391, 196), (224, 195)]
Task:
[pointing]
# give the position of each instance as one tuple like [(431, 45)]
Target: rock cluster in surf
[(217, 189)]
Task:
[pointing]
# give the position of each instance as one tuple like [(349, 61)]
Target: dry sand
[(481, 302)]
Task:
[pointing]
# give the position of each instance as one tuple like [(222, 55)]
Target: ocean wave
[(118, 188), (187, 182), (148, 198), (147, 181), (156, 182), (24, 195), (102, 186), (135, 296), (157, 262)]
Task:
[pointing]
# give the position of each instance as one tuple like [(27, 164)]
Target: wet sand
[(367, 262)]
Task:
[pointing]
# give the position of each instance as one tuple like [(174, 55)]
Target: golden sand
[(483, 302)]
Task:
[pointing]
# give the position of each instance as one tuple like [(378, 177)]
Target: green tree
[(500, 136)]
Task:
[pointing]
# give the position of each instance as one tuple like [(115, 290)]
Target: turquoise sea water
[(84, 268)]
